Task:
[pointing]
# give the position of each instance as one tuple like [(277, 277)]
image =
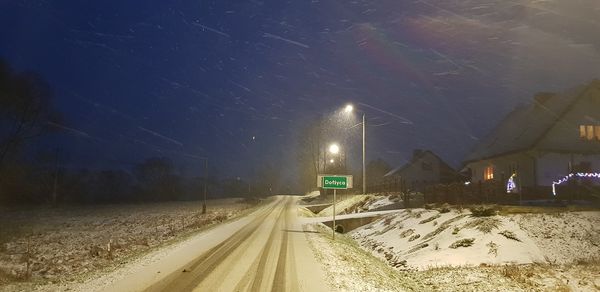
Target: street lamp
[(348, 109), (334, 149)]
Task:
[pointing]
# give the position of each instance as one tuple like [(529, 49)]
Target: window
[(589, 132), (488, 173)]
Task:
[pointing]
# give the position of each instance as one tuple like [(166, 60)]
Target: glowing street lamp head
[(331, 160), (334, 149), (349, 108)]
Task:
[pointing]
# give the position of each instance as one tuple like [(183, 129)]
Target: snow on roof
[(418, 155), (526, 125)]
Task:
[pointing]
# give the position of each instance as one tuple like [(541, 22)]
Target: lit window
[(589, 132), (488, 173), (582, 134)]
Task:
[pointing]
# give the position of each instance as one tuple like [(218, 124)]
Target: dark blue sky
[(202, 78)]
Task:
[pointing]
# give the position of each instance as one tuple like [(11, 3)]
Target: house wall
[(523, 162), (416, 176), (534, 168), (554, 166)]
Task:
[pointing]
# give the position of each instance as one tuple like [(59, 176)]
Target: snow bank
[(419, 238)]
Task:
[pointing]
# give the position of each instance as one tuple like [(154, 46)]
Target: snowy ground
[(351, 266), (63, 244), (554, 250)]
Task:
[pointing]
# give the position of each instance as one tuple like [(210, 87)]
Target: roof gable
[(418, 157), (525, 126)]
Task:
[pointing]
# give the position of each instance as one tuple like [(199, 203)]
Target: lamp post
[(334, 149), (348, 109), (205, 184)]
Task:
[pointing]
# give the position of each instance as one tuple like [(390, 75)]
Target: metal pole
[(55, 187), (205, 185), (334, 193), (364, 173)]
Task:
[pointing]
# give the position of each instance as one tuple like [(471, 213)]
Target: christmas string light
[(570, 175)]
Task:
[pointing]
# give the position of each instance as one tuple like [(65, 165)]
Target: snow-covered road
[(265, 251)]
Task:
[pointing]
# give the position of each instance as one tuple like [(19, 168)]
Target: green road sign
[(335, 182)]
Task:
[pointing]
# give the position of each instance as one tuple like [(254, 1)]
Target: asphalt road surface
[(269, 253)]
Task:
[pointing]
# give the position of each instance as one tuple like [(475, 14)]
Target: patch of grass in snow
[(443, 226), (430, 219), (509, 235), (465, 242), (407, 232), (414, 237), (485, 225), (493, 248), (483, 210), (520, 274), (418, 247), (455, 231)]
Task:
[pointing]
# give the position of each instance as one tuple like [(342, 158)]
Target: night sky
[(236, 80)]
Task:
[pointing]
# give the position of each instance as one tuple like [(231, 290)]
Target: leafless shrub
[(465, 242), (509, 235)]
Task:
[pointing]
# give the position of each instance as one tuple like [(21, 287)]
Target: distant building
[(424, 169), (542, 142)]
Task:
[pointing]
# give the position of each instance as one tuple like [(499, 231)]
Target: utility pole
[(364, 176), (55, 186), (205, 184)]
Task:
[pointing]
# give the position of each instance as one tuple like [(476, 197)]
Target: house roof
[(417, 157), (526, 125)]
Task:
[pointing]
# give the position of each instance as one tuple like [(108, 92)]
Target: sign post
[(335, 182)]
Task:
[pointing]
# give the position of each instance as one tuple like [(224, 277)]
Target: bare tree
[(309, 155), (25, 110)]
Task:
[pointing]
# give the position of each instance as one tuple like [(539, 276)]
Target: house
[(424, 169), (543, 142)]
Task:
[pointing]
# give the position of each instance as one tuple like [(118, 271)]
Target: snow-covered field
[(61, 244)]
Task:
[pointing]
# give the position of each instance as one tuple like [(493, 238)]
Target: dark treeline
[(152, 180), (32, 174)]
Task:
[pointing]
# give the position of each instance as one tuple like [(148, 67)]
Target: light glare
[(334, 149), (349, 108)]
